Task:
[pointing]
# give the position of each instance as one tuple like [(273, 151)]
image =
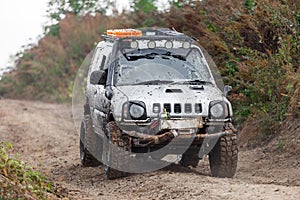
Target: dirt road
[(45, 136)]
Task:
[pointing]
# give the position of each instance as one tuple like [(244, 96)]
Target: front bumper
[(181, 129), (144, 140)]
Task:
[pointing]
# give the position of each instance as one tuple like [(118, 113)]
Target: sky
[(22, 23)]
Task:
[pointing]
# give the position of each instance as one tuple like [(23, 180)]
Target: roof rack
[(162, 32), (114, 34), (108, 38)]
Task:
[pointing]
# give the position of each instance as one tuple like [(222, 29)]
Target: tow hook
[(174, 132)]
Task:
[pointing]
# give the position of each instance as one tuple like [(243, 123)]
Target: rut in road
[(46, 138)]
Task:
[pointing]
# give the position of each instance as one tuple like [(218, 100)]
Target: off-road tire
[(88, 144), (117, 152), (224, 157), (190, 158)]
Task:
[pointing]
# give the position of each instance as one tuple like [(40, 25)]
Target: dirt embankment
[(45, 136)]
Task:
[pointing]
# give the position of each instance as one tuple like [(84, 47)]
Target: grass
[(281, 144)]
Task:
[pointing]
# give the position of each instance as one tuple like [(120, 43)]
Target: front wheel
[(116, 152), (86, 145), (224, 157)]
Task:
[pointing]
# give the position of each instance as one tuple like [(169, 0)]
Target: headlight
[(136, 111), (218, 110)]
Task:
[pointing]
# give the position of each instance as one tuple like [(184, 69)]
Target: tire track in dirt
[(45, 136)]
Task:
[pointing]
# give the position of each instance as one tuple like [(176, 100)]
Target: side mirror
[(227, 89), (98, 77)]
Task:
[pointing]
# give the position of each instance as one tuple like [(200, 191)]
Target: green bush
[(19, 181)]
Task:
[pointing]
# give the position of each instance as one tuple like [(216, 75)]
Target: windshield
[(161, 66)]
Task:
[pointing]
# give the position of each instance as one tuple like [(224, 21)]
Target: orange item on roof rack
[(124, 33)]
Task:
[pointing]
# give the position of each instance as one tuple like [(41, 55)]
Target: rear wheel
[(224, 156), (116, 152), (88, 144)]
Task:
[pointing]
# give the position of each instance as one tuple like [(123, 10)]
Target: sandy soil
[(45, 136)]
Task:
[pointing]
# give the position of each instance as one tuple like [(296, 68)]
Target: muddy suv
[(150, 94)]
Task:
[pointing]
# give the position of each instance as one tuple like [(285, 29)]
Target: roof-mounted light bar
[(120, 33)]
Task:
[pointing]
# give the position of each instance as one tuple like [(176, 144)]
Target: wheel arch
[(110, 117)]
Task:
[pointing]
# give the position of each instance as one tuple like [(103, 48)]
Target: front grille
[(156, 108), (188, 108), (167, 107), (198, 108), (177, 108)]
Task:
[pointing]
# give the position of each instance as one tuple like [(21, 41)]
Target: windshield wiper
[(153, 82), (136, 55), (180, 57), (133, 57), (192, 82), (197, 81)]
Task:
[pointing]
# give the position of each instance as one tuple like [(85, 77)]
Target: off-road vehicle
[(152, 93)]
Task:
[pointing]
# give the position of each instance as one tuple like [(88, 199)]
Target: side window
[(101, 67), (101, 57), (106, 63), (96, 59), (99, 60)]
